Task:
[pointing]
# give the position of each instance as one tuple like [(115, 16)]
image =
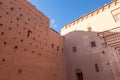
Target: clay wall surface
[(25, 44), (87, 55)]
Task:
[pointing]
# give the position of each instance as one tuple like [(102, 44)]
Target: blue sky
[(61, 12)]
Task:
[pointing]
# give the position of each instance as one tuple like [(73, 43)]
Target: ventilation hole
[(0, 2), (36, 46), (19, 8), (30, 43), (28, 19), (9, 28), (7, 13), (25, 49), (21, 15), (34, 39), (17, 19), (3, 59), (20, 71), (14, 38), (11, 21), (32, 51), (19, 32), (26, 23), (2, 33), (40, 54), (24, 28), (55, 74), (5, 43), (16, 47), (11, 8), (103, 52), (1, 24), (21, 40), (10, 2), (17, 25), (0, 16)]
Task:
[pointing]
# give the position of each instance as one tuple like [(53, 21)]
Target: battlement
[(91, 14)]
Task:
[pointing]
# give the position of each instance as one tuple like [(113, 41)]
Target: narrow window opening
[(93, 44), (52, 45), (57, 48), (74, 49), (79, 75), (96, 68), (0, 2), (28, 33)]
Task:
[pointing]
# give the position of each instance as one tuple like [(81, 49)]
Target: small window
[(93, 44), (96, 68), (74, 49), (116, 14), (89, 29), (57, 48)]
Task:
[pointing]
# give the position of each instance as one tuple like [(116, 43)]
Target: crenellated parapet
[(91, 14)]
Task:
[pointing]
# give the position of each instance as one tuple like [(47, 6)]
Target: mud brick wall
[(26, 50)]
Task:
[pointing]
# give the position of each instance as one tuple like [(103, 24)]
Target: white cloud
[(53, 24)]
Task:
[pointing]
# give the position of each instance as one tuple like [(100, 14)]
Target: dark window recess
[(93, 44), (57, 48), (20, 71), (74, 49), (52, 45), (28, 33), (96, 68)]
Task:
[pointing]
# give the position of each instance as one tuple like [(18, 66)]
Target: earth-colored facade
[(31, 50), (92, 45), (28, 50)]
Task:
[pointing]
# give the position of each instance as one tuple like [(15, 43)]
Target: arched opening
[(79, 74)]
